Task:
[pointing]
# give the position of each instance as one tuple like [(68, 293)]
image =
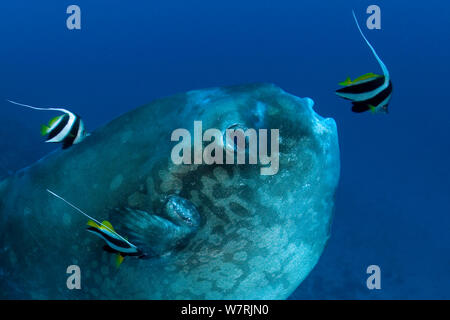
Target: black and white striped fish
[(370, 91), (115, 243), (67, 129)]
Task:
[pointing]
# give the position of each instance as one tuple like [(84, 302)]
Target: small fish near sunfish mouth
[(115, 243), (370, 91), (67, 129)]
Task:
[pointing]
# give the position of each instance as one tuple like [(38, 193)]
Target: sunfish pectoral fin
[(175, 224)]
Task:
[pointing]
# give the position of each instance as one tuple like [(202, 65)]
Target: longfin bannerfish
[(370, 91), (115, 243), (67, 129)]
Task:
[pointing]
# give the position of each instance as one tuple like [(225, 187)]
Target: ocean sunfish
[(211, 231)]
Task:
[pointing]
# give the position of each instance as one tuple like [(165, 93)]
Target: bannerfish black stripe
[(363, 87), (80, 134), (62, 124), (114, 241), (109, 249), (358, 108), (361, 106), (70, 138), (124, 254)]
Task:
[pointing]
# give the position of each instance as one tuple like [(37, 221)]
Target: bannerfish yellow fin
[(52, 121), (347, 82), (119, 260), (366, 76), (108, 226), (44, 130), (372, 108), (93, 224)]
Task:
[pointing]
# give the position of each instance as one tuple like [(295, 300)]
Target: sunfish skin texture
[(247, 236)]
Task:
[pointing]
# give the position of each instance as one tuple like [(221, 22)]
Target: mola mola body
[(215, 231)]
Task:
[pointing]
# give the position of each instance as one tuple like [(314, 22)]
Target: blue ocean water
[(392, 205)]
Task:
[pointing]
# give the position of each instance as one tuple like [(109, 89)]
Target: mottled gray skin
[(257, 237)]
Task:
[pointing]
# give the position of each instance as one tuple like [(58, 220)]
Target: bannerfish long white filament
[(67, 129)]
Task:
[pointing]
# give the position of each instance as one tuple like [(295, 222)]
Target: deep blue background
[(393, 203)]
